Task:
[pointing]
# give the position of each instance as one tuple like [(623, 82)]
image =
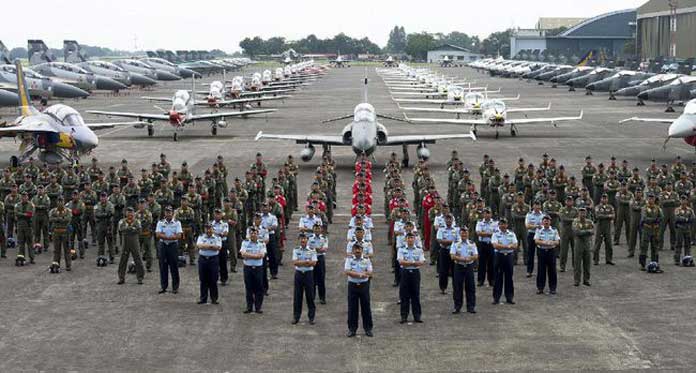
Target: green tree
[(497, 43), (252, 47), (418, 45), (397, 40)]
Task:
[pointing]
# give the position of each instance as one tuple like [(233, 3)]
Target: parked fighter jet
[(58, 133), (472, 105), (181, 113), (142, 67), (389, 62), (39, 86), (364, 134), (622, 79), (339, 62), (455, 96), (68, 73), (217, 98), (494, 115), (164, 65), (678, 90), (650, 83), (683, 127), (72, 53), (8, 98)]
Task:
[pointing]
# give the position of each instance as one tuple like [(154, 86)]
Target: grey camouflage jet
[(73, 54)]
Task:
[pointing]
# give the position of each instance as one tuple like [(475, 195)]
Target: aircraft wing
[(103, 126), (472, 122), (434, 110), (230, 114), (139, 116), (160, 99), (245, 100), (542, 120), (521, 109), (304, 139), (427, 139), (656, 120), (418, 94), (11, 130), (420, 101)]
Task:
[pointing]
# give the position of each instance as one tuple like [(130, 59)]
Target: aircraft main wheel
[(513, 133), (497, 135), (176, 136), (475, 132), (150, 131), (213, 130)]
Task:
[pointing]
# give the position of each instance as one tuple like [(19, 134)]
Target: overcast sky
[(207, 24)]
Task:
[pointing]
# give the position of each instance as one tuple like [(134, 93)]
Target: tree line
[(415, 45)]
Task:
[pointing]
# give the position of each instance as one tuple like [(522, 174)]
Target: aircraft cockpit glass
[(494, 105), (65, 115)]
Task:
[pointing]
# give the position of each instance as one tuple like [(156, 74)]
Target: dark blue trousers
[(304, 285), (547, 267), (168, 253), (359, 300), (503, 276), (208, 268), (531, 250), (463, 282), (409, 293)]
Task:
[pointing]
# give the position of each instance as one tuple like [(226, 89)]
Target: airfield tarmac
[(628, 320)]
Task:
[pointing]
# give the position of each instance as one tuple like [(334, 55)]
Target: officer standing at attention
[(103, 213), (464, 254), (567, 214), (23, 212), (547, 240), (359, 270), (42, 204), (253, 251), (168, 233), (304, 259), (320, 244), (221, 230), (651, 217), (684, 220), (533, 222), (504, 243), (129, 228), (60, 218), (446, 236), (583, 229), (209, 245), (604, 214), (410, 258), (484, 231)]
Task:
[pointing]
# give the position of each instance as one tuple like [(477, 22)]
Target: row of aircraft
[(76, 76), (668, 88), (471, 105), (60, 134)]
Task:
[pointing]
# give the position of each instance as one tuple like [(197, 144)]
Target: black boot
[(657, 260), (641, 261)]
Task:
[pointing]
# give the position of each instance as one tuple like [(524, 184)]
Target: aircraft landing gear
[(213, 130), (588, 92), (640, 103), (497, 134), (175, 136), (513, 131), (554, 85), (571, 89), (611, 96), (150, 131), (669, 109)]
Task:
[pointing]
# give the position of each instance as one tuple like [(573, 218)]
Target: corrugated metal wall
[(654, 36)]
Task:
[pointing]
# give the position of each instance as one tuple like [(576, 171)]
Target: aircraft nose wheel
[(513, 133), (497, 134), (213, 130), (150, 131), (175, 137)]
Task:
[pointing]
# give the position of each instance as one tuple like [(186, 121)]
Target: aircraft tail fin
[(72, 52), (25, 106), (584, 60), (38, 52), (4, 54)]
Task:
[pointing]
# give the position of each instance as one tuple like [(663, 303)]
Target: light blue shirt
[(464, 248), (169, 228), (484, 226), (368, 250), (367, 222), (361, 265), (254, 248), (549, 234), (440, 221), (221, 229), (304, 254), (262, 234), (401, 239), (269, 222), (214, 240), (350, 236), (448, 234), (308, 223), (533, 218), (410, 254), (317, 243), (504, 238)]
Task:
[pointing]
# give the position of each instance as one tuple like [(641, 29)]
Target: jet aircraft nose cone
[(644, 95), (141, 80), (63, 90), (164, 75), (108, 84), (683, 127)]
